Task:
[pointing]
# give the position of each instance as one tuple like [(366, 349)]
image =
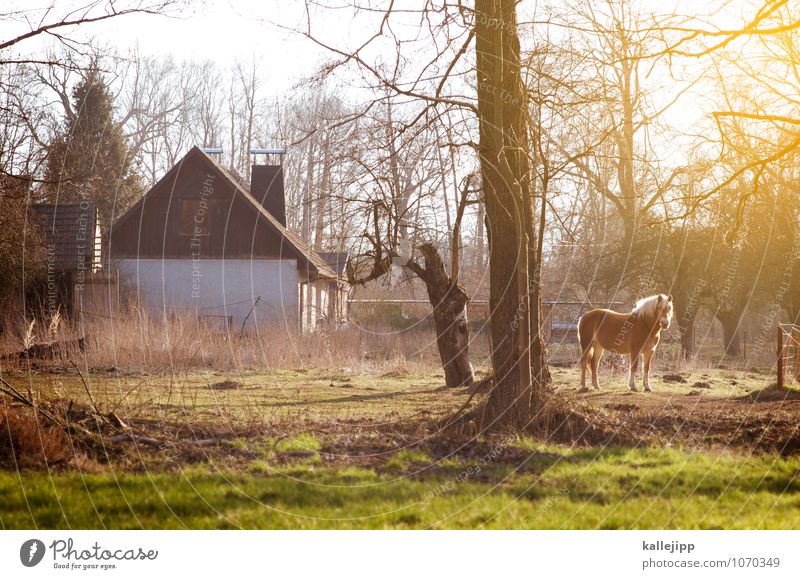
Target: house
[(338, 307), (75, 283), (202, 242)]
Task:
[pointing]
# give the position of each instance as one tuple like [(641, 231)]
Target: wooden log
[(49, 350)]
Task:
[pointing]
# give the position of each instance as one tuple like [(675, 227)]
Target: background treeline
[(662, 171)]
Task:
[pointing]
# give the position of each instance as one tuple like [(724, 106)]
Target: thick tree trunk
[(449, 301), (730, 333), (505, 173)]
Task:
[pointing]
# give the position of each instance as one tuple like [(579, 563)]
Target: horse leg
[(598, 352), (585, 359), (648, 355), (634, 365)]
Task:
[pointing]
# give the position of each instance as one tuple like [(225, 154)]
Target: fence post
[(781, 369)]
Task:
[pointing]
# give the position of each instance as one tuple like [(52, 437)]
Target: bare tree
[(61, 22), (447, 296)]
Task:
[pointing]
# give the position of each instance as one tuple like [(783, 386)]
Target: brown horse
[(636, 333)]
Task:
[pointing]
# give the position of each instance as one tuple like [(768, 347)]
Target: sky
[(223, 31), (218, 30), (226, 30)]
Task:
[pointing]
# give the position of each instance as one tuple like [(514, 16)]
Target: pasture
[(356, 265), (351, 448)]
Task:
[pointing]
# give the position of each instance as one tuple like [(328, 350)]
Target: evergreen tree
[(22, 253), (88, 159)]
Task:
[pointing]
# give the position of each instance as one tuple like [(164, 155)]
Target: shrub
[(26, 441)]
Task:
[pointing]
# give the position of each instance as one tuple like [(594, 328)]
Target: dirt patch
[(677, 378), (226, 385), (766, 422), (705, 385)]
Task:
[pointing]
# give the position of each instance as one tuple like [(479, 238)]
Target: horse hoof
[(596, 387), (633, 389), (583, 389), (648, 389)]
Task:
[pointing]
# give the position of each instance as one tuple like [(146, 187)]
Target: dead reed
[(139, 342)]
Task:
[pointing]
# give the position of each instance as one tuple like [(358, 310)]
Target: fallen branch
[(12, 392), (9, 390), (111, 418), (135, 438), (49, 350)]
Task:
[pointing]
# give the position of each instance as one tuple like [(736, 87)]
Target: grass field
[(553, 488), (711, 448)]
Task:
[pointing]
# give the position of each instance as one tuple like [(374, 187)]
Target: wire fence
[(788, 353)]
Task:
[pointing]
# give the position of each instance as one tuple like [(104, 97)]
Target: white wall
[(215, 287), (315, 298)]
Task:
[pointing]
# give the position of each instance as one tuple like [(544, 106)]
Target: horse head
[(664, 311)]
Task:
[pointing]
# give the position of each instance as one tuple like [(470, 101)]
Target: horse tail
[(584, 334)]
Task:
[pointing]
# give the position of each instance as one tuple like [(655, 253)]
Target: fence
[(788, 354), (559, 317)]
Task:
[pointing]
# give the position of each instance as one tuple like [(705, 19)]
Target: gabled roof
[(317, 266), (336, 259), (70, 234)]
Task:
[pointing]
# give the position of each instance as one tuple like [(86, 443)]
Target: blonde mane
[(646, 307)]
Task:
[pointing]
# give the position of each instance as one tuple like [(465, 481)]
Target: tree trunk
[(687, 339), (537, 337), (730, 333), (505, 173), (480, 250), (308, 193), (686, 320), (626, 144), (323, 195), (449, 301)]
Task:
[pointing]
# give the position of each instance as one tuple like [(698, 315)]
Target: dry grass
[(26, 441), (141, 343)]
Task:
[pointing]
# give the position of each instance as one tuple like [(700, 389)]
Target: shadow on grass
[(533, 488), (354, 398), (773, 394)]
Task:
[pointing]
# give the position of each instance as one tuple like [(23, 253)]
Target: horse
[(636, 333)]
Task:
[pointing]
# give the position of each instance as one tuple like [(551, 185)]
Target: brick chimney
[(266, 185)]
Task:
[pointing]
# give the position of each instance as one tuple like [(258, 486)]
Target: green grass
[(553, 487), (314, 449), (408, 458), (303, 442)]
